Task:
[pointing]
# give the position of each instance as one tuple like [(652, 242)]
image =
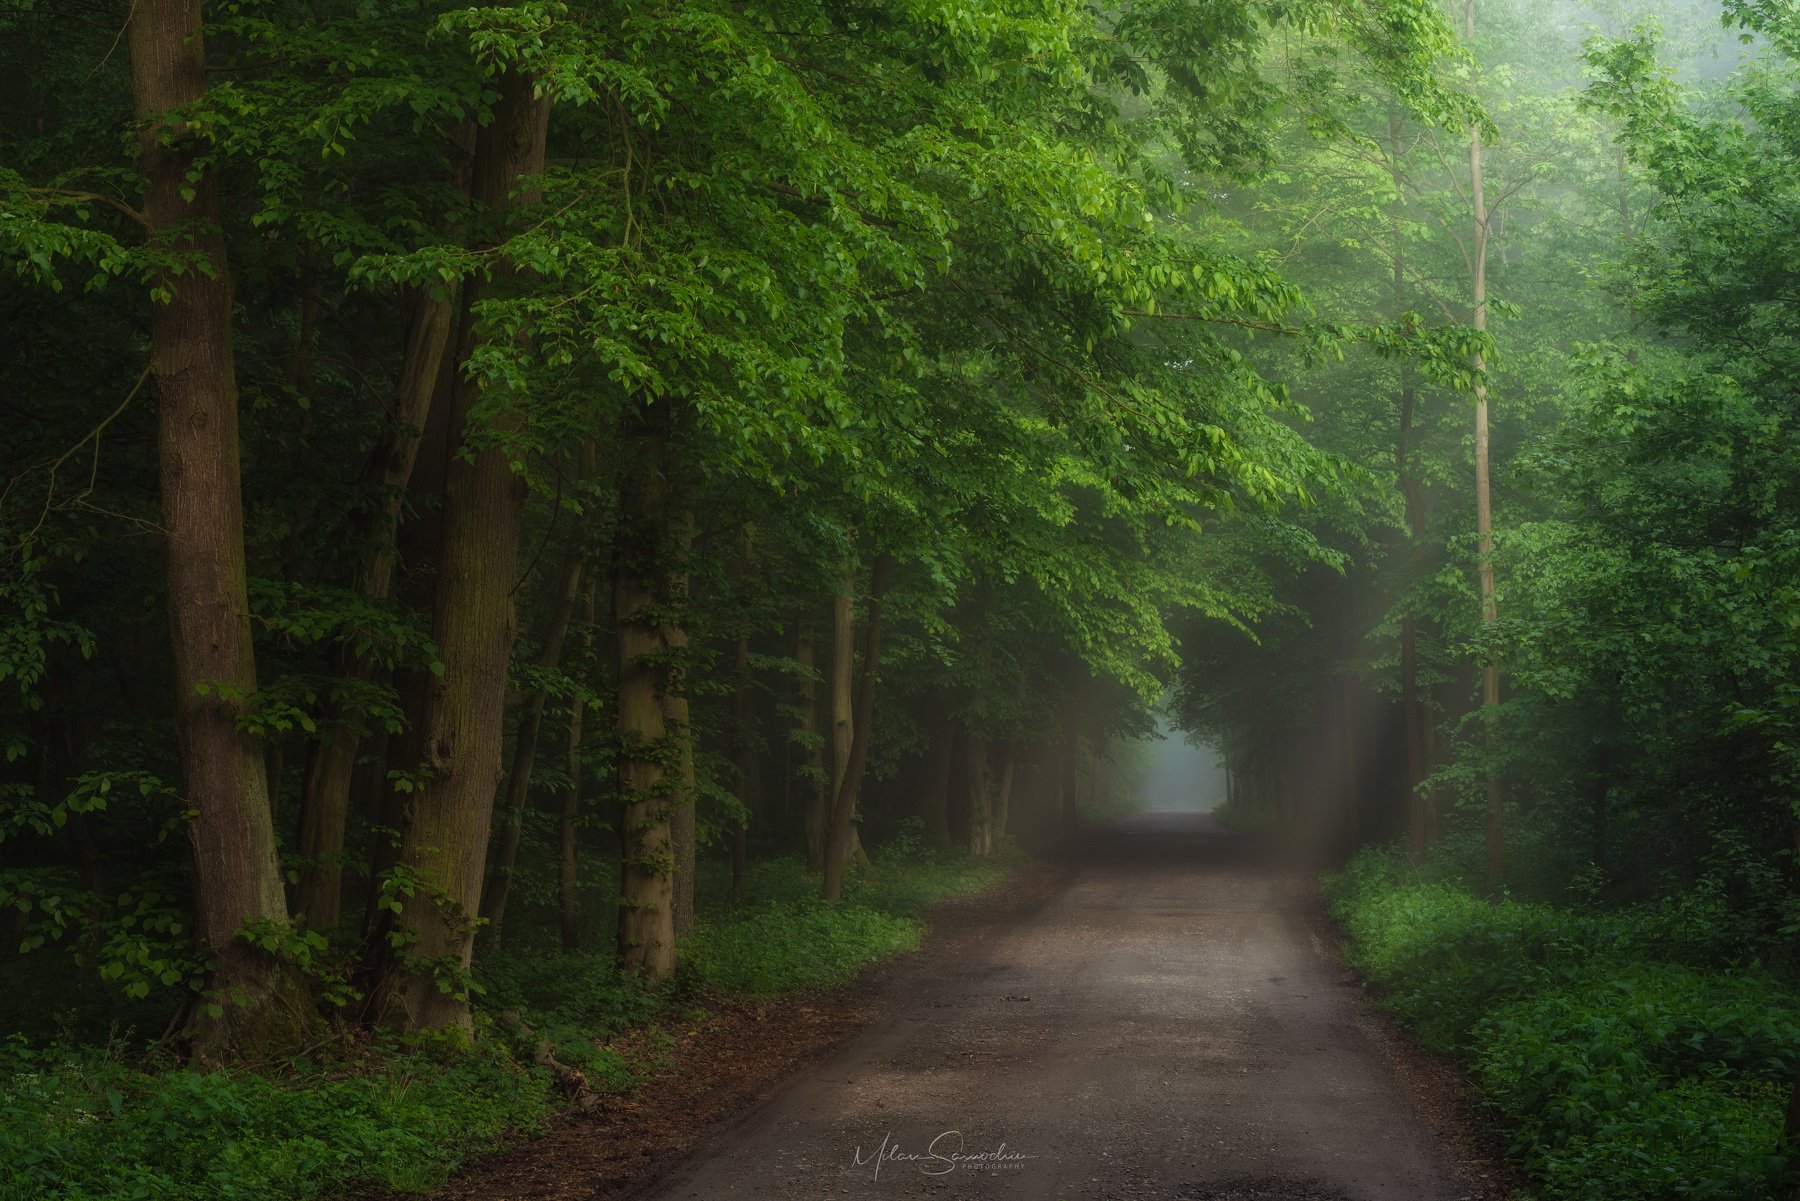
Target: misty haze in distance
[(1179, 775)]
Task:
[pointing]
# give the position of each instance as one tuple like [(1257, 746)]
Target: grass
[(82, 1120), (1628, 1054)]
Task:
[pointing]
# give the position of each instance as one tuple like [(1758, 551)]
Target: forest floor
[(1162, 1016)]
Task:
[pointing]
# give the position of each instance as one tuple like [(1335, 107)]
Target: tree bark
[(525, 743), (1071, 765), (419, 984), (568, 882), (842, 694), (812, 791), (976, 780), (418, 545), (260, 1002), (1002, 807), (680, 729), (646, 933), (934, 793), (749, 766), (841, 843), (332, 764), (1484, 513)]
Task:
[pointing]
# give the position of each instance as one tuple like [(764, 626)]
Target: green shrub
[(1617, 1074), (794, 946), (79, 1127), (586, 990), (1445, 958)]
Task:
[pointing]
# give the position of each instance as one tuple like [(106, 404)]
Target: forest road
[(1169, 1026)]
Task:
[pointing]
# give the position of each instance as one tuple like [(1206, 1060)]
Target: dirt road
[(1168, 1026)]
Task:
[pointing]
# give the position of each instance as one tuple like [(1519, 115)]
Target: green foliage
[(789, 941), (79, 1126), (1615, 1072), (794, 946)]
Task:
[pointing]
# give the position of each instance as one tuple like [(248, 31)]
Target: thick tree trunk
[(331, 766), (568, 882), (444, 845), (646, 934), (841, 843), (976, 779), (418, 545), (934, 790), (262, 1004), (525, 745)]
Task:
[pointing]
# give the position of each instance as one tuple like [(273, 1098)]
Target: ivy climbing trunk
[(258, 1002), (443, 850), (841, 843)]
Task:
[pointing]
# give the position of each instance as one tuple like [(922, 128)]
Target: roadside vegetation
[(100, 1120), (1642, 1052)]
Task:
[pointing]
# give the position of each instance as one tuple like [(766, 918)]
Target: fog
[(1177, 775)]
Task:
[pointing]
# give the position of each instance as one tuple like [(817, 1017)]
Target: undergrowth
[(106, 1121), (1635, 1053)]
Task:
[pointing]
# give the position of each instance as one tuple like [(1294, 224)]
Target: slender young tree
[(1484, 509)]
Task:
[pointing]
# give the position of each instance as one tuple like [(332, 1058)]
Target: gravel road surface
[(1168, 1026)]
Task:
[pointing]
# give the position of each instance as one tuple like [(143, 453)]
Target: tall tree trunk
[(934, 791), (418, 545), (331, 766), (646, 934), (841, 694), (1071, 768), (568, 881), (976, 780), (1349, 723), (1484, 513), (813, 789), (841, 842), (683, 832), (676, 713), (262, 1002), (525, 743), (444, 845), (1003, 786), (749, 765)]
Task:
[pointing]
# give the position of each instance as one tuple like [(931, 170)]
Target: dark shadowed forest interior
[(522, 525)]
